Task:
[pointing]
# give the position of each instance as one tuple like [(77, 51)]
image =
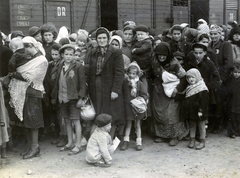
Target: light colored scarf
[(33, 72), (133, 84), (198, 86)]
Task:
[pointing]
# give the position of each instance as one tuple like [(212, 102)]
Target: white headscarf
[(36, 44), (63, 33), (118, 38)]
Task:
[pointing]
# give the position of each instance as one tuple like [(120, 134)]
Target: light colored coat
[(99, 147)]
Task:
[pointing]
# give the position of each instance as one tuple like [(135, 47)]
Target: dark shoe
[(173, 142), (158, 140), (201, 145), (26, 150), (3, 152), (73, 152), (41, 137), (191, 143), (232, 136), (32, 153), (139, 147), (62, 142), (101, 164), (124, 146)]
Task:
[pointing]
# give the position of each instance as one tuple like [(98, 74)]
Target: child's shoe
[(191, 143), (139, 144), (201, 144), (63, 141), (124, 145)]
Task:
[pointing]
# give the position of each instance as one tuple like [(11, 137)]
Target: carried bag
[(139, 104), (87, 111)]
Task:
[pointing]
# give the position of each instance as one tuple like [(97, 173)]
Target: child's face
[(107, 127), (55, 55), (236, 73), (142, 35), (205, 41), (48, 37), (199, 53), (191, 80), (81, 43), (77, 55), (115, 44), (176, 34), (236, 37), (161, 57), (133, 73), (67, 55)]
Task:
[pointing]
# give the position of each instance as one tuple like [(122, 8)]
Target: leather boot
[(191, 143), (26, 150), (34, 152), (124, 146), (201, 144)]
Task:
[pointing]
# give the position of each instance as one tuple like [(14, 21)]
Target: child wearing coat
[(133, 87), (195, 106), (100, 146)]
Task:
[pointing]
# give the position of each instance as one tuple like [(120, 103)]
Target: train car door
[(199, 10), (109, 14), (180, 11), (59, 13), (231, 10)]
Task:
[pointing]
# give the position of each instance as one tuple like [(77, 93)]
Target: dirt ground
[(219, 159)]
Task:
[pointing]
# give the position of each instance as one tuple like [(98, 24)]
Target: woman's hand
[(174, 92), (80, 103), (114, 95)]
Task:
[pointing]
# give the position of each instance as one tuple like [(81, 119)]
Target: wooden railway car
[(90, 14)]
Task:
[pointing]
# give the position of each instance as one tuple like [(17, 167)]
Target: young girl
[(132, 88), (195, 106)]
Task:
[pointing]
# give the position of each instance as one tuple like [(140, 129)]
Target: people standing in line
[(234, 38), (69, 92), (195, 107), (105, 78)]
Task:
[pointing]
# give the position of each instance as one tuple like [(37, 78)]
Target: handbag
[(139, 104), (87, 111)]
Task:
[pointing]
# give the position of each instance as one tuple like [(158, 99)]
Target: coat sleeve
[(144, 48), (215, 77), (227, 59), (118, 72), (103, 147), (144, 91)]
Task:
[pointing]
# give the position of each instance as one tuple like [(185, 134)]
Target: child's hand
[(200, 114), (114, 95), (80, 103)]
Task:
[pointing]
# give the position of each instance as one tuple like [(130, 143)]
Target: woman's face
[(215, 36), (161, 57), (102, 40), (115, 44), (236, 37), (48, 37), (176, 34), (128, 35)]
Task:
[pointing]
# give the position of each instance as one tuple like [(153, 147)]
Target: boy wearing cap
[(69, 92), (100, 146)]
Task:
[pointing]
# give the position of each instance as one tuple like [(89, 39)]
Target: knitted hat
[(16, 44), (61, 50), (102, 30), (199, 45), (176, 27), (129, 23), (117, 38), (142, 28), (33, 31), (203, 28), (17, 33), (103, 119)]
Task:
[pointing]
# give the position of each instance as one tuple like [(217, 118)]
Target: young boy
[(132, 88), (69, 91), (142, 49), (100, 147)]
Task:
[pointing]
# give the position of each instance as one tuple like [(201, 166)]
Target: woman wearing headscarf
[(169, 79), (127, 40), (26, 91), (105, 78)]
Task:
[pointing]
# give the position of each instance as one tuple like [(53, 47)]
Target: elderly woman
[(105, 78), (26, 91), (169, 79)]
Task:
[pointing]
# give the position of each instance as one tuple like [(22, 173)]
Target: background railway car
[(90, 14)]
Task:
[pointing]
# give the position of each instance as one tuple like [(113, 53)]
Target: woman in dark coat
[(105, 78), (166, 109)]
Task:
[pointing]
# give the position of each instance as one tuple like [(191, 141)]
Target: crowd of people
[(181, 84)]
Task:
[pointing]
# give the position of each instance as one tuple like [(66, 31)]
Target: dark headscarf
[(163, 49), (232, 32)]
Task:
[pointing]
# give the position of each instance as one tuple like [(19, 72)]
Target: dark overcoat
[(112, 77)]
